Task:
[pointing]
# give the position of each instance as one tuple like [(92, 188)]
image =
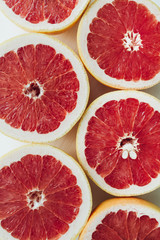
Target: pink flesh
[(123, 225), (105, 44), (59, 82), (36, 11), (114, 120), (63, 198)]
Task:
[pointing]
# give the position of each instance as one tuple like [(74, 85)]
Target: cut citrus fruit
[(44, 194), (44, 15), (118, 142), (43, 88), (118, 42), (123, 219)]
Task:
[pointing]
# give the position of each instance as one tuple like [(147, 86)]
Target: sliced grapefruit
[(44, 194), (44, 15), (118, 42), (118, 142), (123, 219), (43, 88)]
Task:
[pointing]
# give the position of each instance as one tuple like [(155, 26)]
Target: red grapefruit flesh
[(44, 15), (41, 197), (123, 219), (118, 142), (121, 46), (52, 11), (40, 88)]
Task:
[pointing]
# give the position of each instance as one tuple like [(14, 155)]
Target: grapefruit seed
[(118, 42), (123, 219), (118, 142), (44, 15), (44, 194), (44, 88)]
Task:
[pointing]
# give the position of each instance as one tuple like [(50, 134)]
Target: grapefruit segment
[(30, 120), (16, 116), (9, 208), (52, 198), (44, 55), (9, 181), (140, 176), (11, 196), (154, 234), (107, 165), (100, 233), (121, 176), (128, 110), (118, 142), (67, 181), (66, 213), (117, 41), (147, 225), (113, 220), (125, 218), (23, 230), (13, 221), (44, 88), (33, 166), (22, 174), (37, 230), (26, 57), (133, 225), (11, 66), (33, 15), (70, 196), (44, 15), (50, 169), (53, 225)]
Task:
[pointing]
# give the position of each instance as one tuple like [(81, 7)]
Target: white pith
[(129, 149), (132, 41), (140, 209), (80, 141), (45, 26), (35, 204), (92, 65), (83, 92), (82, 182), (30, 94)]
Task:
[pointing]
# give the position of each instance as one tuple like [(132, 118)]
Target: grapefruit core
[(43, 15), (43, 88), (118, 42), (118, 142), (123, 219), (44, 195)]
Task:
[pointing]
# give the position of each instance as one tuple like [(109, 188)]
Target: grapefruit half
[(44, 194), (118, 42), (43, 88), (123, 219), (118, 142), (44, 15)]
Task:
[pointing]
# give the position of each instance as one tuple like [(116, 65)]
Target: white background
[(67, 143)]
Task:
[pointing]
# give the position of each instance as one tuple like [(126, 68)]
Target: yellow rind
[(80, 50), (89, 188), (78, 155), (113, 202), (86, 78), (54, 31)]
